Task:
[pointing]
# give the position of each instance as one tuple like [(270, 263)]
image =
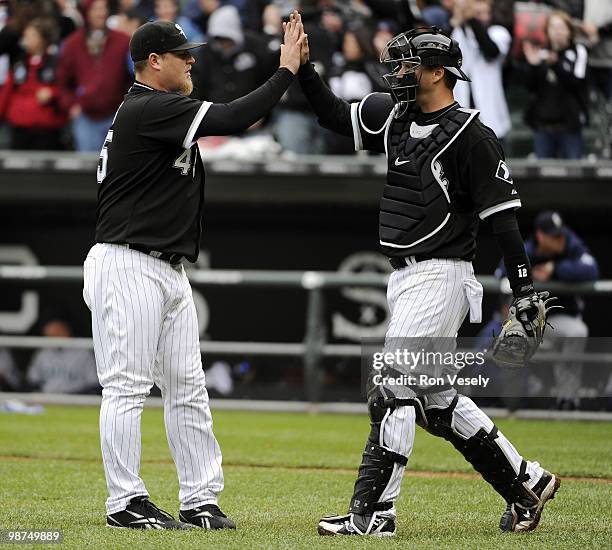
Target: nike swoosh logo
[(399, 162)]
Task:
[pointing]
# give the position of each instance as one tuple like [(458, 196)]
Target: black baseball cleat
[(373, 525), (208, 516), (517, 518), (141, 513)]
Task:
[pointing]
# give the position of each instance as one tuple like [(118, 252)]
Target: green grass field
[(283, 471)]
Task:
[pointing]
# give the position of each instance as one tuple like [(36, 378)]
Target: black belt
[(165, 256), (399, 262)]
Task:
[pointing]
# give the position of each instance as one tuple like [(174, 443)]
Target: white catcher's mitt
[(523, 331)]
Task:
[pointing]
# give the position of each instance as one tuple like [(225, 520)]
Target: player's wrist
[(523, 289), (307, 70), (291, 68), (307, 75)]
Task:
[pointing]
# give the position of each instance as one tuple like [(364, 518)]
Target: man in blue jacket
[(556, 253)]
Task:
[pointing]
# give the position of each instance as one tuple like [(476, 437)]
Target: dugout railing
[(314, 347)]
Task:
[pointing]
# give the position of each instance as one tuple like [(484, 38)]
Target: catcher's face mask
[(407, 51), (402, 80)]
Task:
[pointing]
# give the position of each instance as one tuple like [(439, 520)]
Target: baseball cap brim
[(458, 73), (186, 46)]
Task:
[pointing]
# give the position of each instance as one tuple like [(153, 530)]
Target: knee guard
[(377, 462), (483, 452)]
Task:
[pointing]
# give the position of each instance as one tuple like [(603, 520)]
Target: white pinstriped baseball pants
[(431, 299), (145, 331)]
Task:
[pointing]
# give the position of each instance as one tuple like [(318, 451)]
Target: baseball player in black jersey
[(446, 171), (145, 330)]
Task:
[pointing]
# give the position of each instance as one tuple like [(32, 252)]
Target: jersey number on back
[(103, 160), (183, 162)]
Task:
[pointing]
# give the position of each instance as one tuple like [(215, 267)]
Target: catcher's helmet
[(405, 52)]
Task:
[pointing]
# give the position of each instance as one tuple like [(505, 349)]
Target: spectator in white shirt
[(484, 48)]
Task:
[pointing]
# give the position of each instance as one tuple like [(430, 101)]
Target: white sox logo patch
[(503, 172)]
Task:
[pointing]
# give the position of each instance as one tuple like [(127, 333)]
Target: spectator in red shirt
[(29, 99), (93, 76)]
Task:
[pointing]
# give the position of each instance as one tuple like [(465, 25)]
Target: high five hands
[(291, 56), (305, 53)]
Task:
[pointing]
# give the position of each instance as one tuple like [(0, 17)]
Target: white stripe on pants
[(428, 299), (145, 331)]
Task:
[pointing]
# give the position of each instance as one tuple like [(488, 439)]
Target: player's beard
[(187, 86)]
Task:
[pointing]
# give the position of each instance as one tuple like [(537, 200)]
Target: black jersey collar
[(428, 117), (140, 85)]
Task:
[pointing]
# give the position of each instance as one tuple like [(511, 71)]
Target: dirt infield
[(409, 473)]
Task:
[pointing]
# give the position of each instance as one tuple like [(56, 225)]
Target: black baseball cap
[(550, 222), (159, 37)]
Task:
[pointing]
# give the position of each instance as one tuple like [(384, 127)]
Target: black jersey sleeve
[(177, 119), (172, 118), (332, 112), (506, 231), (365, 121), (490, 181), (370, 119), (223, 119)]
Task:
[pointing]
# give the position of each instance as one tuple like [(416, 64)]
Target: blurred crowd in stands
[(538, 69)]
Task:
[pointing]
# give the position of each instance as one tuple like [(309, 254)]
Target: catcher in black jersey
[(446, 171)]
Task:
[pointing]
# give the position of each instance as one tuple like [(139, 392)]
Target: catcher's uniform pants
[(431, 299), (145, 331)]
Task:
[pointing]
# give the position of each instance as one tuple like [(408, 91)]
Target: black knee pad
[(379, 404), (483, 453), (377, 409)]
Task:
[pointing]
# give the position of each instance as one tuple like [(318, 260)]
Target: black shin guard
[(375, 472), (485, 455), (377, 465)]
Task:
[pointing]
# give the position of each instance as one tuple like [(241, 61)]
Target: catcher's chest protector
[(415, 204)]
